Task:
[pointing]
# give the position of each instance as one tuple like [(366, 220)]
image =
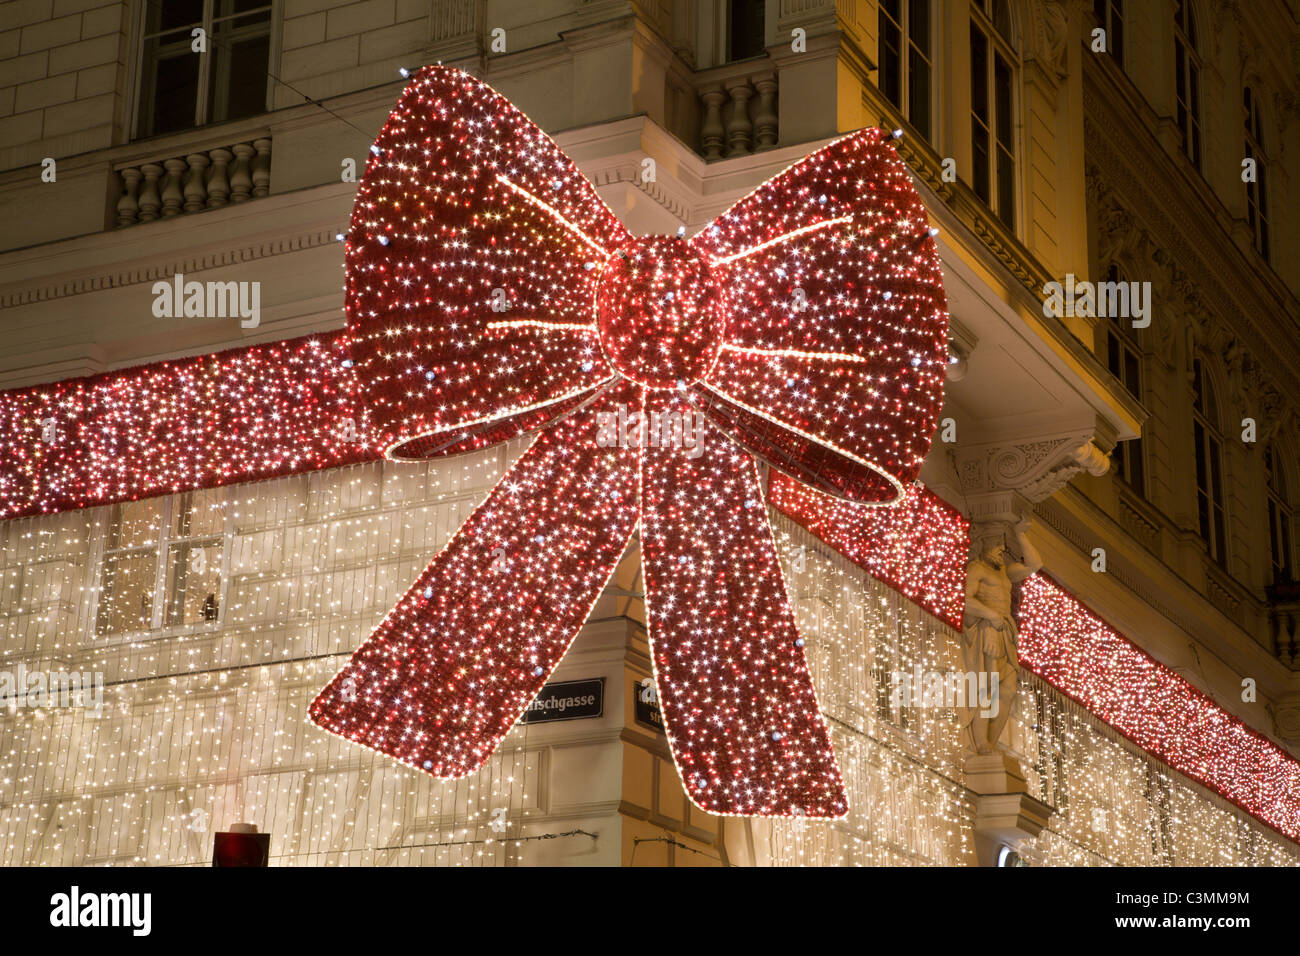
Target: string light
[(918, 547), (238, 415), (1151, 705)]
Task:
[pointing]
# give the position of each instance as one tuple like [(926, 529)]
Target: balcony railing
[(1284, 622), (733, 108), (166, 188)]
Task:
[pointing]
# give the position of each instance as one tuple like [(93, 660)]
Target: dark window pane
[(1220, 546), (746, 29), (1136, 474), (980, 144), (1284, 544), (1002, 86), (918, 93), (891, 62), (170, 14), (169, 93), (238, 85), (225, 8), (918, 24), (1198, 437), (1115, 38), (1132, 375), (979, 75), (1216, 475), (1006, 189), (1113, 361), (1002, 19)]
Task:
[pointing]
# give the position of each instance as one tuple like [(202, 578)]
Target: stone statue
[(989, 632)]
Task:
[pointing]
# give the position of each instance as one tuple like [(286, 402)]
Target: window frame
[(999, 47), (160, 546), (1207, 443), (1280, 518), (728, 35), (1122, 345), (1188, 73), (907, 44), (1257, 192), (137, 85), (1107, 13)]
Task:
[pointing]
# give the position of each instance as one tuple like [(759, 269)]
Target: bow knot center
[(660, 311)]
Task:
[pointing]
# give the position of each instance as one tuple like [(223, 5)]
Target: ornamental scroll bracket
[(1035, 469)]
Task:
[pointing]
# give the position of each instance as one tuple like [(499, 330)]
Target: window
[(1279, 517), (1256, 192), (1188, 80), (179, 88), (906, 66), (162, 563), (1110, 17), (1209, 464), (1124, 360), (992, 117), (745, 31)]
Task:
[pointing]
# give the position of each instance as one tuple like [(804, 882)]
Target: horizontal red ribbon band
[(262, 412)]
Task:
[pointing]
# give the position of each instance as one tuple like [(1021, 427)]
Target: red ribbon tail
[(737, 699), (444, 677)]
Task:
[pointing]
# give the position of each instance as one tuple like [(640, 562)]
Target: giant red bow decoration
[(491, 293)]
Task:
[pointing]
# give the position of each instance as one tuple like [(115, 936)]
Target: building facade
[(1149, 445)]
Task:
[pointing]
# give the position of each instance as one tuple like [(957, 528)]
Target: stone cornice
[(141, 272)]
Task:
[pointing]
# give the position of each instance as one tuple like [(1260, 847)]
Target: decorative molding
[(141, 273), (1045, 40), (1017, 260), (1035, 469)]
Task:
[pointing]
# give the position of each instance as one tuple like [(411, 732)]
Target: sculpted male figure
[(989, 630)]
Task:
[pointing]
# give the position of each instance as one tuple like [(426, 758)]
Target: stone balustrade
[(166, 188), (1284, 622), (738, 113)]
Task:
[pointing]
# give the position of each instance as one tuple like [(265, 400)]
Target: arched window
[(992, 53), (1110, 17), (1209, 464), (1257, 191), (1187, 63), (1124, 359), (1279, 516), (906, 58)]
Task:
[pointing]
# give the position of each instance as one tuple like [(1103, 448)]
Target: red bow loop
[(836, 342), (471, 261)]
